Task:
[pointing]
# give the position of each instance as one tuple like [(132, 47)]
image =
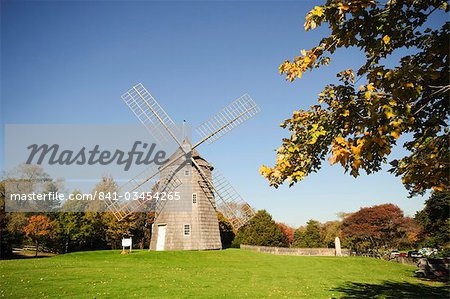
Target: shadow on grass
[(22, 257), (389, 289)]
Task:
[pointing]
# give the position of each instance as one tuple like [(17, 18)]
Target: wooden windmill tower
[(190, 222)]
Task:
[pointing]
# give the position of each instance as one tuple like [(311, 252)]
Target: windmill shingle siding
[(201, 216)]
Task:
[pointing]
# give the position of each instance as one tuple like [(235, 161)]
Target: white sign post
[(127, 242)]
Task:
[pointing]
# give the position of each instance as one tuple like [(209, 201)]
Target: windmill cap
[(192, 153)]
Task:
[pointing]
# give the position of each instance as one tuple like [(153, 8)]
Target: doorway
[(160, 241)]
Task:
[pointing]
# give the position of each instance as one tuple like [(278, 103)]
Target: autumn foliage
[(357, 122), (288, 232), (39, 228), (380, 227)]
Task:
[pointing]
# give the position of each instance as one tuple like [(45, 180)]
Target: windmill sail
[(226, 199), (164, 130), (150, 114), (231, 203), (239, 111), (222, 196), (139, 187)]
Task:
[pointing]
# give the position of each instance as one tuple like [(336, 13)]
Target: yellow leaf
[(264, 170), (346, 113), (441, 187), (340, 139), (386, 39), (389, 74), (388, 111), (367, 95), (306, 60), (298, 174), (332, 160), (343, 7), (397, 123), (356, 151), (356, 164), (389, 114), (395, 134), (362, 88), (410, 85), (280, 157), (370, 87), (318, 11)]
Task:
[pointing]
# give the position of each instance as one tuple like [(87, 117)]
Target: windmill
[(190, 223)]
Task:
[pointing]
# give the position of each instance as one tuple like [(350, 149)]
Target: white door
[(161, 237)]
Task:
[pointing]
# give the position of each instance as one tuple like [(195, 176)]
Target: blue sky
[(69, 62)]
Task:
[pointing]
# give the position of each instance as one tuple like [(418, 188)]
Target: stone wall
[(296, 251), (405, 260)]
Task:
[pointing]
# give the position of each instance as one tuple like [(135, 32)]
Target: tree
[(261, 230), (5, 244), (26, 179), (359, 125), (329, 231), (310, 236), (69, 225), (298, 237), (104, 227), (141, 230), (16, 221), (376, 228), (79, 228), (288, 232), (435, 219), (413, 234), (116, 230), (38, 229), (107, 186), (226, 231), (69, 230)]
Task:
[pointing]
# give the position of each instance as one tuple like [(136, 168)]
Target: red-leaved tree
[(288, 232), (378, 228), (38, 229)]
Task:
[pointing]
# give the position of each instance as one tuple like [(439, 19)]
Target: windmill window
[(186, 172), (187, 229), (194, 197)]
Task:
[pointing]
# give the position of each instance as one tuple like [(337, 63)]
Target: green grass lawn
[(231, 273)]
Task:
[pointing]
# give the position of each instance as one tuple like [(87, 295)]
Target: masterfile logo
[(86, 152), (140, 153)]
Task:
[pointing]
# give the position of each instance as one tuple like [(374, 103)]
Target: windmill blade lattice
[(239, 111), (140, 181), (231, 203), (169, 184), (225, 198), (139, 185), (150, 113)]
